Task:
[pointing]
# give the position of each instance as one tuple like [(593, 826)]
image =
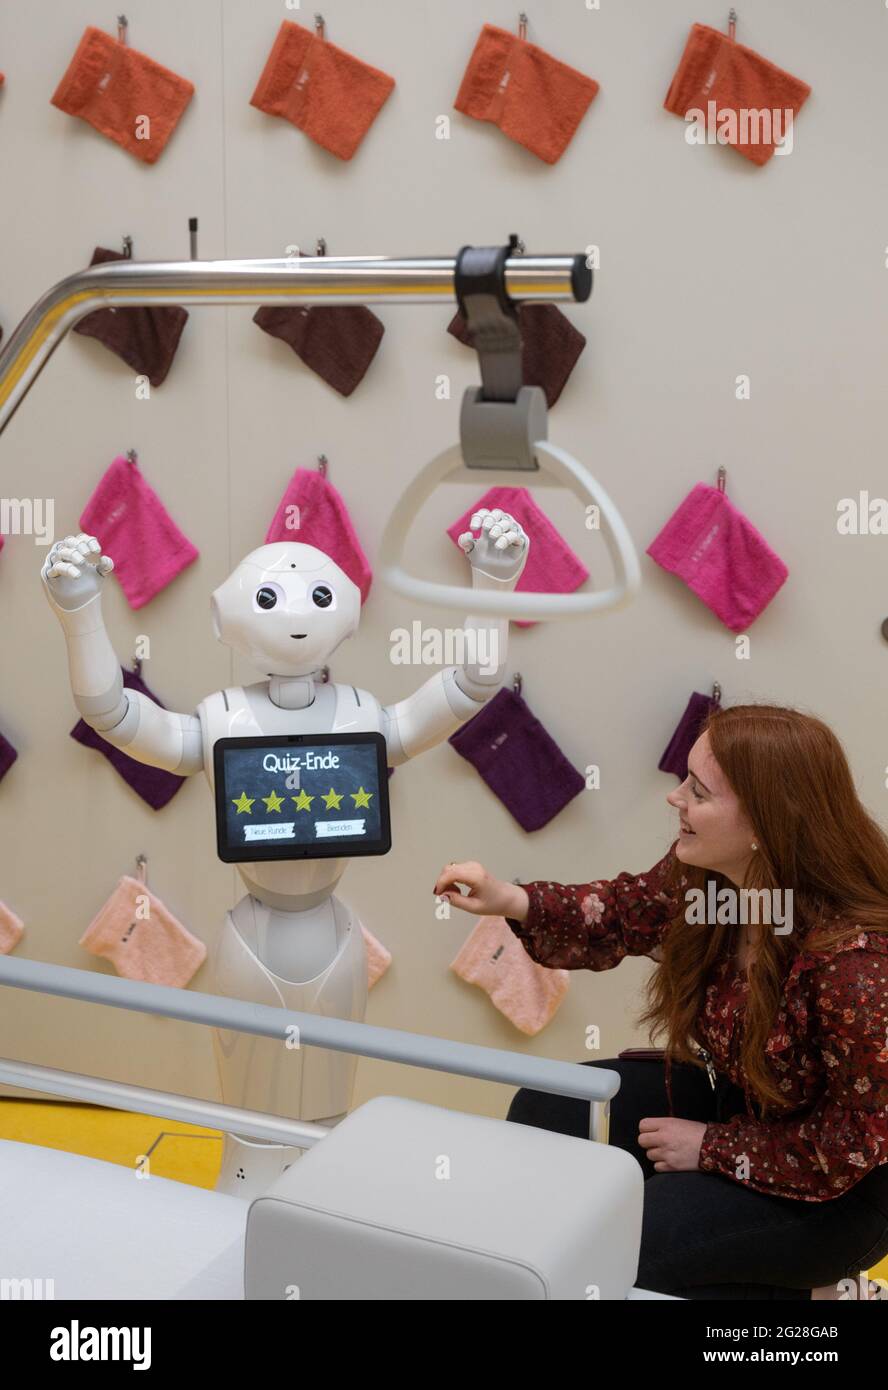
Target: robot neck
[(292, 692)]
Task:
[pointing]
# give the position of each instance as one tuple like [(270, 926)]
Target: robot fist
[(500, 552), (73, 571)]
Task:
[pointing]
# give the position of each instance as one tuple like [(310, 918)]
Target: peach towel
[(143, 940), (11, 929), (493, 958), (321, 89), (114, 88), (378, 958)]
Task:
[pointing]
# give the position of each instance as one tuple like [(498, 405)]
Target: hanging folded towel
[(153, 784), (550, 346), (145, 338), (142, 939), (321, 89), (378, 958), (8, 756), (123, 94), (675, 757), (518, 760), (740, 84), (720, 556), (337, 341), (531, 96), (135, 529), (527, 994), (313, 512), (11, 929), (552, 567)]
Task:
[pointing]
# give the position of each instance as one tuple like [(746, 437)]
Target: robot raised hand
[(74, 569), (500, 552)]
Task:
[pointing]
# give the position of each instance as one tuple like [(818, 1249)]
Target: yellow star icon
[(332, 799), (361, 798), (243, 803), (273, 802), (303, 801)]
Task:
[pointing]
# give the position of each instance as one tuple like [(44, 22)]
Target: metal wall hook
[(522, 25), (128, 248), (192, 236), (323, 465), (321, 247), (320, 26), (132, 456), (732, 24), (325, 674), (517, 683), (142, 867), (716, 692), (722, 479), (122, 26), (137, 665)]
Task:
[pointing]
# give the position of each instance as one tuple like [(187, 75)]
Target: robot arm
[(450, 697), (73, 574)]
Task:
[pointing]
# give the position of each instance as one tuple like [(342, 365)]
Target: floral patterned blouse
[(828, 1047)]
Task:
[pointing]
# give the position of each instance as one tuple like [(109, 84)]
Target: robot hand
[(500, 552), (74, 570)]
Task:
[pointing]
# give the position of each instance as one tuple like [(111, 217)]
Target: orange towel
[(531, 96), (142, 939), (492, 957), (327, 93), (715, 68), (123, 94), (11, 929)]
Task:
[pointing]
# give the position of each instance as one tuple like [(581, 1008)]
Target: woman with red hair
[(768, 1176)]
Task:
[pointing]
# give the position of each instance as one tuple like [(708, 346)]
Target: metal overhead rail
[(293, 280)]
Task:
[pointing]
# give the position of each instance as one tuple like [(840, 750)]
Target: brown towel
[(337, 341), (321, 89), (145, 338), (550, 346)]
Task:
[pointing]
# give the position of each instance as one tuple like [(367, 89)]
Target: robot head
[(286, 608)]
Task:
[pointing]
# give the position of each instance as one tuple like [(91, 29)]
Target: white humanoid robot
[(290, 942)]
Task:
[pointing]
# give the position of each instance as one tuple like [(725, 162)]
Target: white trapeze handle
[(523, 606)]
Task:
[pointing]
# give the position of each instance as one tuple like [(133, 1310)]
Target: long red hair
[(814, 836)]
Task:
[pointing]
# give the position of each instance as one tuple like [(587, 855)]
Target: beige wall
[(710, 268)]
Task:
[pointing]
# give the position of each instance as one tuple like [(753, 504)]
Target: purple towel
[(153, 784), (518, 760), (675, 758), (8, 755)]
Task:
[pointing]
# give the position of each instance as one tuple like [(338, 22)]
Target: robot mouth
[(298, 634)]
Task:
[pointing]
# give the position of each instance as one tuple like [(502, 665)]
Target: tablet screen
[(301, 796)]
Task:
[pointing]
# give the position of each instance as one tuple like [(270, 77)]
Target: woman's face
[(715, 833)]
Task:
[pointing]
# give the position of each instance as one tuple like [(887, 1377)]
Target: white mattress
[(98, 1231)]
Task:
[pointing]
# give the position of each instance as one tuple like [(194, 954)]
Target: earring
[(753, 845)]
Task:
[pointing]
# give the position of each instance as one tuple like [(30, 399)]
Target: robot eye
[(322, 596), (266, 597)]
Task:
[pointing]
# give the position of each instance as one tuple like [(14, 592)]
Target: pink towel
[(312, 511), (552, 567), (493, 958), (378, 958), (142, 939), (11, 929), (720, 556), (135, 529)]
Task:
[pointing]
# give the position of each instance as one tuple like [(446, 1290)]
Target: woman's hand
[(487, 896), (672, 1145)]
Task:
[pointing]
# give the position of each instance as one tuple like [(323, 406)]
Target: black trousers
[(705, 1235)]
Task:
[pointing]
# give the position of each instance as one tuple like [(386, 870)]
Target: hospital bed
[(400, 1200)]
